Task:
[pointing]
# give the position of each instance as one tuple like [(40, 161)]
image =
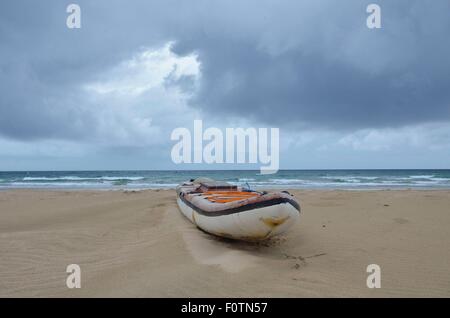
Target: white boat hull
[(251, 225)]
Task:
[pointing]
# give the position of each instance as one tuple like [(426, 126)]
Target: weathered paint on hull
[(252, 225)]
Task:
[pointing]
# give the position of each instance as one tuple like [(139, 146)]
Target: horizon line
[(220, 170)]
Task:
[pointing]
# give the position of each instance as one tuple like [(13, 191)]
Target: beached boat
[(229, 211)]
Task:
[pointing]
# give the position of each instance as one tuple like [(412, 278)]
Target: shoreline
[(137, 244), (374, 179)]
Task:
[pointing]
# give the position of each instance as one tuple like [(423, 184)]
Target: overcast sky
[(108, 95)]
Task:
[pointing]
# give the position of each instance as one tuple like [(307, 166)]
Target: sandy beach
[(137, 244)]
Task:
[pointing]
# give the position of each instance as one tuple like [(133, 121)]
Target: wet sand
[(137, 244)]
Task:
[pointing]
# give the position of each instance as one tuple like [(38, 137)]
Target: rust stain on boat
[(274, 222)]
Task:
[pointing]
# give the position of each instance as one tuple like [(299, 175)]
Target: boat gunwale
[(242, 208)]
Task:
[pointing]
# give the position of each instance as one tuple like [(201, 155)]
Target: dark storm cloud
[(279, 62), (301, 88), (43, 64), (337, 73)]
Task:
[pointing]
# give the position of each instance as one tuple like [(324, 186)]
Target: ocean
[(284, 179)]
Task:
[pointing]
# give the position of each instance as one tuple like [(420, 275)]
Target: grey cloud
[(43, 64), (338, 74), (296, 63)]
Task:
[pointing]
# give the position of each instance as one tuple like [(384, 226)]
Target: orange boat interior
[(228, 196)]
